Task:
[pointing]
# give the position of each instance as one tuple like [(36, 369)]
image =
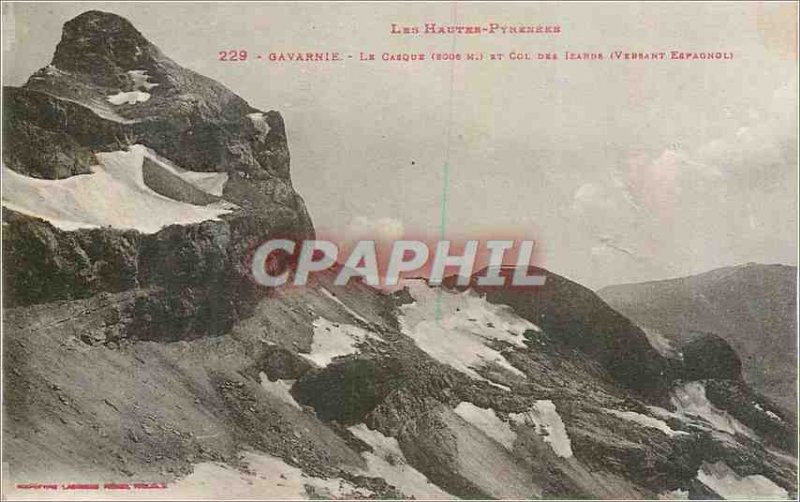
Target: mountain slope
[(753, 307), (329, 378)]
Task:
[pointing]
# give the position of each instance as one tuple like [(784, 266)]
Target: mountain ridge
[(731, 302)]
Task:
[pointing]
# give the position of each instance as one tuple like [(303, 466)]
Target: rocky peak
[(121, 90), (112, 98), (104, 45)]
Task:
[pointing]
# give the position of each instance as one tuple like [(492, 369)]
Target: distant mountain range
[(752, 307)]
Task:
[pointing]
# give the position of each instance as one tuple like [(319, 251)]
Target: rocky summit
[(137, 348)]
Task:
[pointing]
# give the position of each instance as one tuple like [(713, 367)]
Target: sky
[(621, 171)]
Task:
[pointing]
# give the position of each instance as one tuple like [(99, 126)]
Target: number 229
[(232, 55)]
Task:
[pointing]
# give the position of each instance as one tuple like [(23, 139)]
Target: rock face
[(198, 275), (586, 323), (65, 114), (188, 118), (47, 137), (42, 263)]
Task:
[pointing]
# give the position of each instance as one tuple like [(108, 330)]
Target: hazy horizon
[(622, 173)]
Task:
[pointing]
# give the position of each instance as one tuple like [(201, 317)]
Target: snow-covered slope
[(333, 339), (690, 400), (487, 421), (268, 478), (114, 195), (547, 422), (461, 329), (727, 483), (386, 460), (427, 422)]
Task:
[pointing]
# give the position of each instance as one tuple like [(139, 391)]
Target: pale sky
[(621, 171)]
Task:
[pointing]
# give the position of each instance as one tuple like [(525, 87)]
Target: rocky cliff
[(66, 115)]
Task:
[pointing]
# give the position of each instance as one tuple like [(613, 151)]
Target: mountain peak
[(98, 19), (103, 44)]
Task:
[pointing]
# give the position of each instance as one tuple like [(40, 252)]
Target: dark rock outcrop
[(172, 186), (583, 321), (348, 390), (42, 263), (279, 363), (708, 356), (768, 420), (198, 274), (52, 138)]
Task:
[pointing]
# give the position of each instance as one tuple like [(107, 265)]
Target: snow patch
[(544, 417), (141, 79), (457, 328), (690, 400), (279, 389), (661, 412), (114, 195), (54, 71), (386, 460), (769, 413), (260, 123), (131, 97), (268, 478), (674, 495), (499, 386), (729, 485), (487, 421), (332, 340), (645, 420)]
